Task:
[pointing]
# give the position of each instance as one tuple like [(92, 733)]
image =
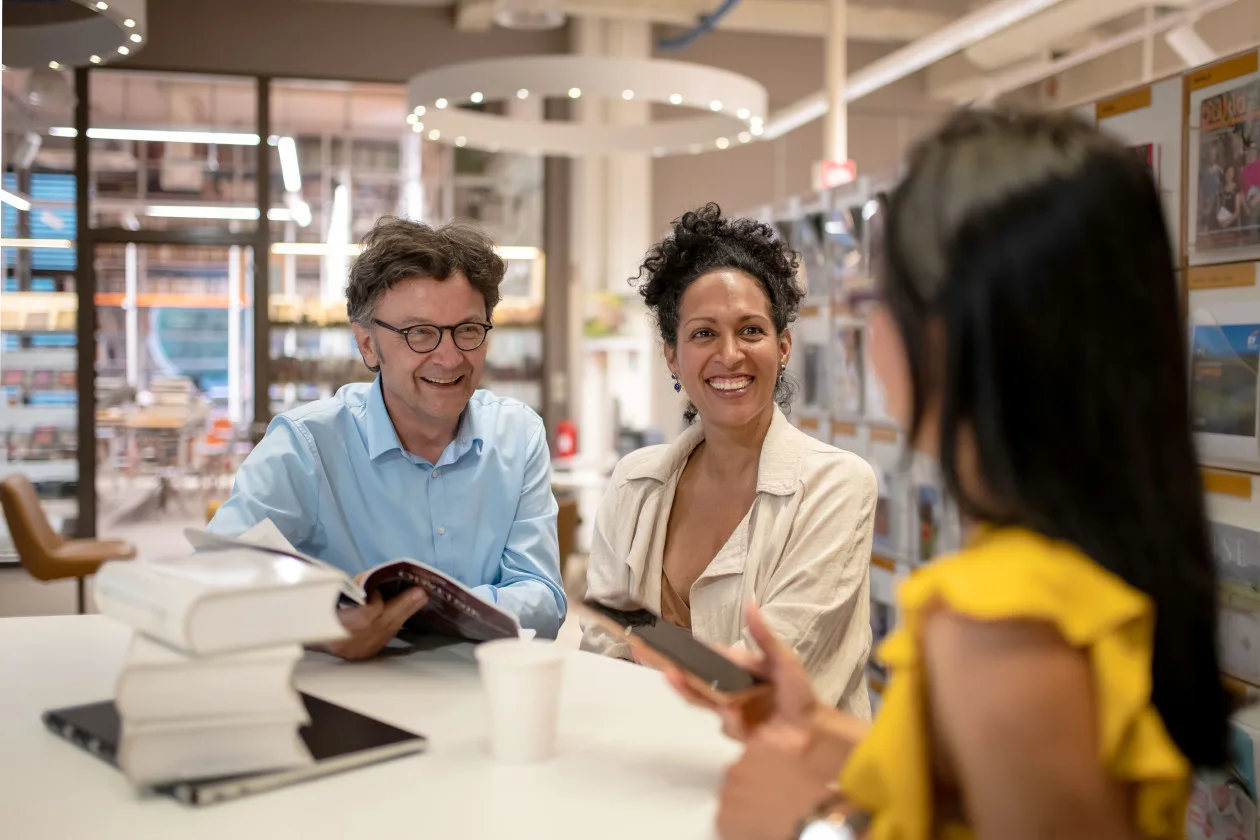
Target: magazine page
[(453, 610), (265, 536)]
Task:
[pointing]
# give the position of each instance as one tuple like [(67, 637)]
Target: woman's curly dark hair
[(703, 241)]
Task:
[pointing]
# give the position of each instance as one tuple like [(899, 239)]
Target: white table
[(635, 762)]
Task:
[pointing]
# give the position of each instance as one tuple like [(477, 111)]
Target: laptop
[(338, 740)]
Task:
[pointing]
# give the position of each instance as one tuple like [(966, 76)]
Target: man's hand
[(372, 625)]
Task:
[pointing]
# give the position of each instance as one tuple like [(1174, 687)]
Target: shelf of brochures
[(38, 356), (51, 358), (61, 469)]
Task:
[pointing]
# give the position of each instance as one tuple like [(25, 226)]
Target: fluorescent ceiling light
[(152, 135), (517, 252), (15, 200), (312, 249), (299, 210), (62, 244), (302, 214), (969, 29), (289, 164), (323, 249), (194, 211)]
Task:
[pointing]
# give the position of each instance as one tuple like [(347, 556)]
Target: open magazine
[(453, 609)]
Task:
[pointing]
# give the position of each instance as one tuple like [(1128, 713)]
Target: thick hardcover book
[(338, 739)]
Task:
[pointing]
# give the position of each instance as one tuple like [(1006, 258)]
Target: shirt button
[(441, 530), (437, 473)]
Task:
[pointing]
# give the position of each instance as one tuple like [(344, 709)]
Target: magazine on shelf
[(1225, 215), (453, 609)]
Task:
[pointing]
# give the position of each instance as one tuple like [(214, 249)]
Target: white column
[(412, 172), (836, 125), (589, 383), (628, 197), (132, 315), (234, 333), (337, 260), (589, 173)]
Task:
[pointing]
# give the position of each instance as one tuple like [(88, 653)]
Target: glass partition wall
[(174, 166), (38, 300), (137, 259)]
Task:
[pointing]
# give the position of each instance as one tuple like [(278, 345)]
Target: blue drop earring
[(677, 384)]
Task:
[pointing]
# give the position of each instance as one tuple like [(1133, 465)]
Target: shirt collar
[(382, 437), (777, 469)]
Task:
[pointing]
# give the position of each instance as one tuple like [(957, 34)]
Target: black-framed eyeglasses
[(425, 338)]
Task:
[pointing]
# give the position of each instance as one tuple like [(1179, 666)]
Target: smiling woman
[(743, 509), (757, 271)]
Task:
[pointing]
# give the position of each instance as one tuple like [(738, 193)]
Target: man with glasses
[(419, 463)]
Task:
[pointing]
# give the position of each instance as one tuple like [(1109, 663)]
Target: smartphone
[(707, 668)]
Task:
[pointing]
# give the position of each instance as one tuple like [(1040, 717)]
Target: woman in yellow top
[(1058, 677)]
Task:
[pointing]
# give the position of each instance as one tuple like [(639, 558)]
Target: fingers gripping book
[(453, 609)]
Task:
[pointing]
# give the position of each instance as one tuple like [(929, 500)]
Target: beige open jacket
[(807, 564)]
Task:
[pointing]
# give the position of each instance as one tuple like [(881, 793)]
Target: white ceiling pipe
[(1190, 46), (1051, 30), (949, 39), (1031, 75)]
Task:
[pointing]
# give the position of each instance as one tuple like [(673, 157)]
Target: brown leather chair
[(43, 552)]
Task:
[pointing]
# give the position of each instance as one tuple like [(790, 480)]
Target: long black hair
[(1035, 249)]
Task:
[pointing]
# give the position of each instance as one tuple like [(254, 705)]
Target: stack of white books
[(207, 687)]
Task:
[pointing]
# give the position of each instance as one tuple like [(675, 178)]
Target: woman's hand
[(793, 702), (769, 791)]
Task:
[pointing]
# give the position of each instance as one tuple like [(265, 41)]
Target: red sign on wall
[(829, 174)]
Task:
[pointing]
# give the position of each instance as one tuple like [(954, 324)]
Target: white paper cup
[(522, 683)]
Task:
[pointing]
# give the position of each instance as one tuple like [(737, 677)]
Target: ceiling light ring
[(505, 134), (72, 43), (651, 80)]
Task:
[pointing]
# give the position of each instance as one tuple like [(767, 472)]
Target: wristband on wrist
[(829, 822)]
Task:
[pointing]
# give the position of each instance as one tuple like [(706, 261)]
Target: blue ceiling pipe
[(706, 24)]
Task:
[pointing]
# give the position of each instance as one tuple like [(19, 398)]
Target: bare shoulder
[(1013, 685), (958, 635), (1014, 716), (1018, 657)]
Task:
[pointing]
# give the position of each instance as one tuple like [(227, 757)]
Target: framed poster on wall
[(1236, 552), (1223, 201), (1224, 341), (1225, 384)]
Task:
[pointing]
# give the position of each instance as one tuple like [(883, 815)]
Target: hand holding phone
[(790, 703), (669, 648)]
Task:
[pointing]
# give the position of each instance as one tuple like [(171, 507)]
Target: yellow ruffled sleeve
[(1014, 574)]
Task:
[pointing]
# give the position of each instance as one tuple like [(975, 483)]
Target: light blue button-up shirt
[(335, 479)]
